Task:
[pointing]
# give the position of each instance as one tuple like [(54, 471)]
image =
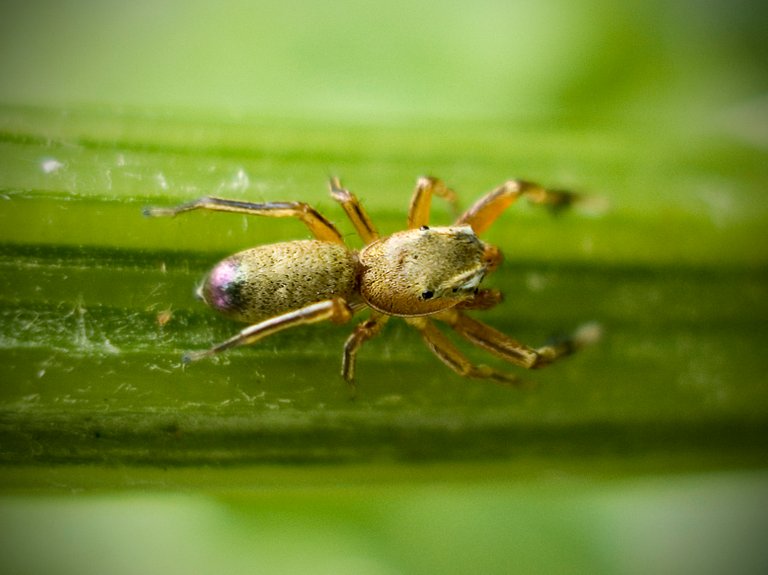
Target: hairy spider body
[(269, 280), (420, 274), (423, 271)]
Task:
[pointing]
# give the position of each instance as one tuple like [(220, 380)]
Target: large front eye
[(427, 294)]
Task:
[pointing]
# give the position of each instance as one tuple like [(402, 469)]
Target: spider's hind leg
[(316, 223), (335, 310)]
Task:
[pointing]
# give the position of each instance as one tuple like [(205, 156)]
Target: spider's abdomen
[(265, 281)]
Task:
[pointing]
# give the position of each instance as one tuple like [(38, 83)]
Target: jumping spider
[(420, 274)]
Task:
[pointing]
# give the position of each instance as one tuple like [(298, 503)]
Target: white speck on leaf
[(51, 165), (161, 181)]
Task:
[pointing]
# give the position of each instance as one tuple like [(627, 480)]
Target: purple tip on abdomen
[(220, 290)]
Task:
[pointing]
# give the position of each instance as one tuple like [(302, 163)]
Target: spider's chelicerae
[(421, 274)]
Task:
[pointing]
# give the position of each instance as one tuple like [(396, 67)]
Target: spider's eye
[(427, 294)]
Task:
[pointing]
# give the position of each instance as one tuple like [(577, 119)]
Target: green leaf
[(98, 307), (644, 453)]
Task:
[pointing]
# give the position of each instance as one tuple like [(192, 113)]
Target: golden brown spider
[(420, 274)]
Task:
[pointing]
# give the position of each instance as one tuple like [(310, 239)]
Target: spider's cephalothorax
[(420, 274), (423, 271)]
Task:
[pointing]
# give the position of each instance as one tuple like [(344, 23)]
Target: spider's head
[(420, 272)]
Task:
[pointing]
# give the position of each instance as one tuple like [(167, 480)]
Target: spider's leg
[(354, 210), (447, 352), (489, 207), (512, 350), (366, 330), (336, 310), (421, 201), (320, 227), (482, 299)]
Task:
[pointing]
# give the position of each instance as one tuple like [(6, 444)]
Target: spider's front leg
[(488, 208), (336, 310), (512, 350)]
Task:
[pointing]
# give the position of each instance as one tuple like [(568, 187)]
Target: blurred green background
[(686, 61), (644, 454)]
